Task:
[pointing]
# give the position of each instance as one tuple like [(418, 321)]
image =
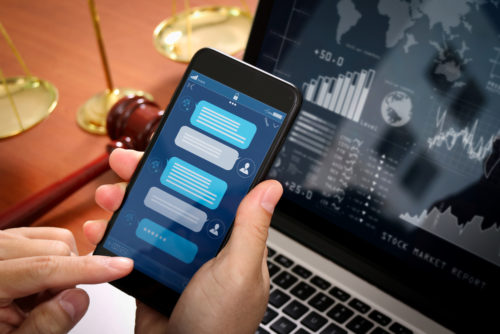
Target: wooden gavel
[(131, 123)]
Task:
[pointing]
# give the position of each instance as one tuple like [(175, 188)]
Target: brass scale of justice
[(32, 99)]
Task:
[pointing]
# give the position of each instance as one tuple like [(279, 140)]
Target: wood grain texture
[(57, 42)]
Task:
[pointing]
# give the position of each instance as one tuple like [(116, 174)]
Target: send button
[(166, 240)]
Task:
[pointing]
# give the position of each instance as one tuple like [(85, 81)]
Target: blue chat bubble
[(166, 240), (223, 124), (194, 183)]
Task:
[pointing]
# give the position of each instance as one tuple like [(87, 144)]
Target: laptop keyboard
[(301, 302)]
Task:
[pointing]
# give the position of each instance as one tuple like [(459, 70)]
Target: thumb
[(57, 315), (251, 225)]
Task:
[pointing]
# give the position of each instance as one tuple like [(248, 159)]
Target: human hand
[(229, 293), (39, 268)]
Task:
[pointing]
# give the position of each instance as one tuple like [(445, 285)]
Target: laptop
[(390, 220)]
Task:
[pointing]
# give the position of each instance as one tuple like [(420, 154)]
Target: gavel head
[(132, 121)]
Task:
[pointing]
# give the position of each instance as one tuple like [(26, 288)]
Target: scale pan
[(34, 100), (221, 27)]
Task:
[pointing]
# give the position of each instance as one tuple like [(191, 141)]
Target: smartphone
[(216, 140)]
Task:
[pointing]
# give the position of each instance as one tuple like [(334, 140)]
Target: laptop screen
[(398, 139)]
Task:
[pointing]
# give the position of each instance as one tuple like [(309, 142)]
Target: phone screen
[(184, 198)]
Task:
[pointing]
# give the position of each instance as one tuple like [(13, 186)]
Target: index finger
[(26, 276)]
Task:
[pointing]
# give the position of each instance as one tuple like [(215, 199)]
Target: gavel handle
[(27, 211)]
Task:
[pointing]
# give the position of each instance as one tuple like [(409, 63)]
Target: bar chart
[(345, 95)]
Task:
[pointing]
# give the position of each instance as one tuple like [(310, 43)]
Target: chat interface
[(202, 164)]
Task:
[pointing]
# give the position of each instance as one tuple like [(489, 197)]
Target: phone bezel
[(246, 79)]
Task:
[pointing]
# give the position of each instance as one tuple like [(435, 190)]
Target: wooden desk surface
[(57, 42)]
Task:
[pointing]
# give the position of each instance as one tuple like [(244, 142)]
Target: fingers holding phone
[(236, 282), (110, 196), (215, 142)]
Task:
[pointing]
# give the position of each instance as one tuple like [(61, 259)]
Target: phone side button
[(166, 240)]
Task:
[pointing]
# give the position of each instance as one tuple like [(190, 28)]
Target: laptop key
[(270, 252), (321, 301), (320, 282), (397, 328), (379, 330), (283, 326), (340, 294), (269, 315), (314, 321), (333, 329), (301, 331), (295, 309), (277, 298), (359, 325), (303, 291), (380, 318), (273, 268), (261, 330), (301, 271), (340, 313), (283, 260), (285, 280), (358, 305)]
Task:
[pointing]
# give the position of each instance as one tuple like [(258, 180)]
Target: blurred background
[(57, 42)]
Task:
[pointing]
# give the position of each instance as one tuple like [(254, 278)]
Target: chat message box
[(194, 183), (207, 148), (166, 240), (175, 209), (223, 124)]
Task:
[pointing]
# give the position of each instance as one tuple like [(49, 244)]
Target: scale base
[(92, 114)]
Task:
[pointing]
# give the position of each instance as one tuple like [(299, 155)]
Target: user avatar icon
[(244, 169), (215, 230)]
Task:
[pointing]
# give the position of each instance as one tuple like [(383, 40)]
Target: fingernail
[(101, 187), (119, 263), (73, 303), (270, 199)]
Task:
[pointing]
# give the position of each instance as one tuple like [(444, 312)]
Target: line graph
[(476, 148), (469, 236)]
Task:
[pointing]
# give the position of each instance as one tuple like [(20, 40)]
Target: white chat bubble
[(207, 148), (175, 209)]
